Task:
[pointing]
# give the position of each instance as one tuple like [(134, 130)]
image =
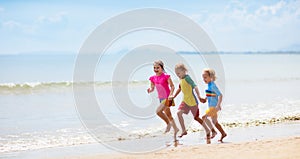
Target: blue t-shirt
[(212, 94)]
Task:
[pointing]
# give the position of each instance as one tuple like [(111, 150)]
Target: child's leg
[(203, 124), (172, 122), (219, 127), (207, 131), (210, 112), (168, 113), (209, 124), (159, 112), (175, 129), (196, 113), (181, 121)]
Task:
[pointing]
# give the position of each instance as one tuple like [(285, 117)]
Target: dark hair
[(160, 63)]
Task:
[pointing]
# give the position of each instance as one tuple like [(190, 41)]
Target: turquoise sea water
[(37, 107)]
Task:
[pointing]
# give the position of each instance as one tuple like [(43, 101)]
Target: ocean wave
[(40, 140), (30, 87), (242, 53), (65, 137), (286, 79), (251, 123), (263, 121), (38, 86)]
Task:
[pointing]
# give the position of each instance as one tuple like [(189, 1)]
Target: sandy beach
[(75, 79), (271, 141), (287, 147)]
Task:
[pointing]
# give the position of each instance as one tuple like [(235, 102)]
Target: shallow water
[(38, 109)]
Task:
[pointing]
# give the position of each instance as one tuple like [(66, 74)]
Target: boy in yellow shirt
[(189, 102)]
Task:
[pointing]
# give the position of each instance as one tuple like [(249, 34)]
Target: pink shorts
[(186, 109)]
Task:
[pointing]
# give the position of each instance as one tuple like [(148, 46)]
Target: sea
[(38, 108)]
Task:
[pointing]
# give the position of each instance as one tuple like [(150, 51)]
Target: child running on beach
[(163, 82), (214, 97), (189, 102)]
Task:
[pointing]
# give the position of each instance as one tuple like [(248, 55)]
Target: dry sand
[(280, 148)]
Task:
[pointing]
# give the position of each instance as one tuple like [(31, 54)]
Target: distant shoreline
[(70, 53), (242, 53)]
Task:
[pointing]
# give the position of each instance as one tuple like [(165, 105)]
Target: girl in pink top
[(162, 82)]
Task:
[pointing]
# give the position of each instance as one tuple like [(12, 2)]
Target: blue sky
[(40, 26)]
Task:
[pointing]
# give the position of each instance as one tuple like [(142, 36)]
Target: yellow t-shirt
[(187, 85)]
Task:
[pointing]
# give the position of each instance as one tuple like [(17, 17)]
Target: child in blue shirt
[(214, 97)]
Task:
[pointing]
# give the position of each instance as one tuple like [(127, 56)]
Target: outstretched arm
[(177, 92), (202, 100)]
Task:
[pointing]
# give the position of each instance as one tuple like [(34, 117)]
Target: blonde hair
[(211, 73), (181, 66)]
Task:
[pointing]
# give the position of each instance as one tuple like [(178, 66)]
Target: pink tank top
[(161, 85)]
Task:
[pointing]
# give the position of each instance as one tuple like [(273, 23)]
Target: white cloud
[(272, 9), (58, 17), (11, 24), (270, 27), (15, 25), (32, 27)]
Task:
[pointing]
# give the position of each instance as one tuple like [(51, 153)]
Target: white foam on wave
[(45, 139)]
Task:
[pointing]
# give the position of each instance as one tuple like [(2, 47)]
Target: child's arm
[(220, 98), (177, 92), (171, 84), (151, 89), (202, 100)]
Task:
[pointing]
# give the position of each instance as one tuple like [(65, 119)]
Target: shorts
[(167, 109), (186, 109), (167, 102), (212, 112)]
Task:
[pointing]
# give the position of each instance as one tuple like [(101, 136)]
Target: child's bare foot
[(208, 138), (213, 134), (175, 143), (168, 128), (182, 134), (222, 137)]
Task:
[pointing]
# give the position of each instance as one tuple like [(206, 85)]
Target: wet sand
[(271, 148), (271, 141)]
